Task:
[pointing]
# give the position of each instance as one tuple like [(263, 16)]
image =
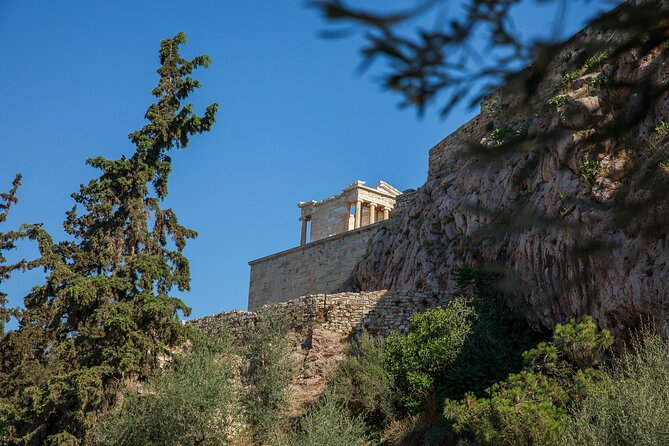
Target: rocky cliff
[(565, 194)]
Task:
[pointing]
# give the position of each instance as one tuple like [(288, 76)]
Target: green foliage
[(362, 384), (590, 65), (432, 342), (526, 409), (600, 81), (492, 106), (664, 165), (506, 134), (578, 345), (532, 407), (596, 61), (104, 314), (266, 375), (631, 408), (589, 171), (486, 357), (189, 405), (7, 243), (559, 100), (328, 423), (661, 130), (570, 77)]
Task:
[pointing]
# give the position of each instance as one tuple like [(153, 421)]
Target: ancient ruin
[(358, 205), (339, 230)]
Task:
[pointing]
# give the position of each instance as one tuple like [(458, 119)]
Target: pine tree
[(104, 315)]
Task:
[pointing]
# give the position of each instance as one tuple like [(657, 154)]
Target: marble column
[(358, 214), (386, 213), (372, 213), (303, 236)]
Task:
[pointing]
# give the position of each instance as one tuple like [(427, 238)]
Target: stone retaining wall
[(323, 266), (378, 312)]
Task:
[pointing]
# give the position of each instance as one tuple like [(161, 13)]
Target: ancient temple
[(338, 229), (356, 206)]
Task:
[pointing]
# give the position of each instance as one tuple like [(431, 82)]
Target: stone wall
[(378, 312), (323, 266)]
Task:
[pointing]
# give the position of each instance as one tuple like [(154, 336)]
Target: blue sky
[(297, 122)]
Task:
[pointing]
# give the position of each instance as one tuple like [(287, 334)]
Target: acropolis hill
[(470, 212)]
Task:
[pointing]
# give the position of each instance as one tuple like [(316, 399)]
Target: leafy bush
[(559, 100), (432, 342), (265, 376), (486, 357), (526, 409), (492, 106), (664, 165), (589, 171), (189, 405), (532, 407), (600, 81), (632, 407), (570, 77), (661, 130), (362, 384), (328, 423), (506, 134), (595, 62)]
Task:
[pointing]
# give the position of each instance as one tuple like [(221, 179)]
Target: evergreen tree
[(7, 240), (104, 315)]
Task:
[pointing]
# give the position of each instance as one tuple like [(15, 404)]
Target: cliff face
[(575, 215)]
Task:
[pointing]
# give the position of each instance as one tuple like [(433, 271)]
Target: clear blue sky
[(296, 120)]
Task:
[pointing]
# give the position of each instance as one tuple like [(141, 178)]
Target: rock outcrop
[(574, 213)]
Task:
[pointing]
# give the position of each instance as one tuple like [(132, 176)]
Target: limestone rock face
[(578, 224)]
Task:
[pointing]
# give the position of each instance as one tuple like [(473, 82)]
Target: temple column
[(303, 235), (386, 213), (358, 214), (372, 213)]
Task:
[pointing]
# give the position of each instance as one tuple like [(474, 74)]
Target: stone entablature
[(334, 215)]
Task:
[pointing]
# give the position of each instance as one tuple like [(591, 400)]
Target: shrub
[(600, 81), (532, 407), (525, 409), (432, 342), (661, 130), (188, 405), (265, 376), (589, 172), (506, 134), (570, 77), (486, 357), (492, 106), (328, 423), (362, 384), (559, 100), (664, 165), (630, 408), (594, 63)]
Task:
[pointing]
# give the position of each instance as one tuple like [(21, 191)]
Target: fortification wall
[(323, 266)]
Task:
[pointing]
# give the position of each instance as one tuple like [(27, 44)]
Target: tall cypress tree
[(7, 243), (104, 315)]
